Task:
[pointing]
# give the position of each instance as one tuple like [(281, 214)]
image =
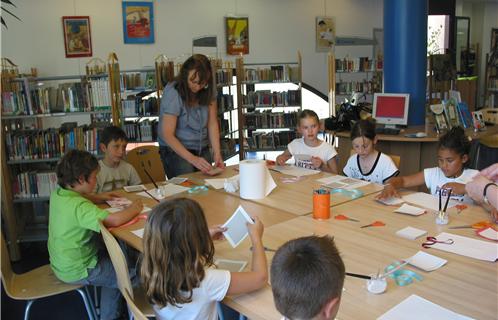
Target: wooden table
[(464, 285), (296, 197), (217, 208)]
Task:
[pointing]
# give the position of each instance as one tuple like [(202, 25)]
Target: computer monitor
[(391, 109)]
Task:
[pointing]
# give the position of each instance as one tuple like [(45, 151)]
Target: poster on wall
[(77, 39), (237, 35), (325, 33), (138, 22)]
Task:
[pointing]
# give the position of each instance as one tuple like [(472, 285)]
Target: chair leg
[(88, 304), (29, 303)]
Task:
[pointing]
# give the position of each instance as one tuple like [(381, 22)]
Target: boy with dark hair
[(73, 224), (307, 276), (115, 173)]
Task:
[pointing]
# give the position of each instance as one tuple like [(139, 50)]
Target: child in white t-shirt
[(453, 155), (177, 264), (309, 151), (368, 163)]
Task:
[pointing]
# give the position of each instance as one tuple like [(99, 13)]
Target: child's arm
[(330, 166), (282, 159), (243, 282), (118, 218), (456, 188), (100, 197), (390, 189)]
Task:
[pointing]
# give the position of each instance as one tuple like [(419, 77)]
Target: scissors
[(198, 189), (432, 241), (477, 225)]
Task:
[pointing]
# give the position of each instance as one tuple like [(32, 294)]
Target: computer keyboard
[(388, 131)]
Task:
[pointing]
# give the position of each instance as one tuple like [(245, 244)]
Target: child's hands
[(255, 230), (281, 160), (316, 162), (456, 188), (388, 192), (216, 232), (136, 206), (201, 164)]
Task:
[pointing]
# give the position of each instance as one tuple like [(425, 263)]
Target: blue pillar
[(405, 51)]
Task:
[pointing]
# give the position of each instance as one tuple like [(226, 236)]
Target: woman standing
[(188, 120)]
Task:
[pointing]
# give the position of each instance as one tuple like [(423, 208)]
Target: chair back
[(137, 313), (7, 273), (118, 261), (147, 158), (396, 159)]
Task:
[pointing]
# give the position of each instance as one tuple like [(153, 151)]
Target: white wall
[(277, 29)]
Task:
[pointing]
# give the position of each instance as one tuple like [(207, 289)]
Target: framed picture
[(77, 37), (237, 35), (138, 22), (325, 33)]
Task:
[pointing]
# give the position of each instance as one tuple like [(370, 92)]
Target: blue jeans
[(104, 276), (174, 165)]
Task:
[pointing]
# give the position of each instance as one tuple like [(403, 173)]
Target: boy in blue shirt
[(74, 224)]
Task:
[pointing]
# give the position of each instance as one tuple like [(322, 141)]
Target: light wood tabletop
[(464, 285), (217, 207), (295, 197)]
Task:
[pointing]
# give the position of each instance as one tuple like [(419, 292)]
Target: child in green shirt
[(73, 247)]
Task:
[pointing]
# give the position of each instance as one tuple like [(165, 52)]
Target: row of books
[(346, 87), (270, 140), (268, 98), (145, 130), (278, 73), (133, 80), (32, 184), (358, 64), (270, 119), (91, 95), (51, 143), (135, 106), (225, 102), (224, 76)]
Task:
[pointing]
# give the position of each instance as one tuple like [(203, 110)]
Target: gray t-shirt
[(191, 125)]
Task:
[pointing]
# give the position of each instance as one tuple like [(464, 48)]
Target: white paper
[(136, 188), (119, 202), (410, 233), (335, 182), (256, 181), (417, 308), (426, 262), (177, 180), (164, 191), (468, 247), (489, 233), (427, 201), (236, 227), (411, 210), (230, 265), (219, 183), (116, 209), (139, 233), (292, 170), (393, 201)]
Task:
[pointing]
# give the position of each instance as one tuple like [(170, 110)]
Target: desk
[(464, 285), (217, 209), (416, 153), (293, 197)]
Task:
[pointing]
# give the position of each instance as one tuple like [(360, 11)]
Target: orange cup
[(321, 204)]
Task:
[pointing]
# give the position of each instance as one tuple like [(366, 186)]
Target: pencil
[(152, 196), (361, 276), (150, 177), (447, 200)]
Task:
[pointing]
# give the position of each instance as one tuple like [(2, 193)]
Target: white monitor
[(391, 109)]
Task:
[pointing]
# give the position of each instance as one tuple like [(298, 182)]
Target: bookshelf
[(491, 78), (269, 96), (42, 118), (363, 75)]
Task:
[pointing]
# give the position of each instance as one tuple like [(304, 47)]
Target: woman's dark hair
[(455, 140), (202, 66), (177, 248), (363, 128), (73, 165)]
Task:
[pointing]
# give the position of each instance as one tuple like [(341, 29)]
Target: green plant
[(7, 11)]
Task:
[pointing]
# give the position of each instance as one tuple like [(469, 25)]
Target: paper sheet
[(230, 265), (468, 247), (292, 170), (116, 209), (139, 233), (136, 188), (219, 183), (335, 182), (166, 191), (411, 210), (393, 201), (489, 233), (426, 200), (425, 261), (236, 227), (416, 308), (411, 233), (118, 202)]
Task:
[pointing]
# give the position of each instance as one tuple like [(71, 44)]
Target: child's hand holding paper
[(216, 232), (237, 227)]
